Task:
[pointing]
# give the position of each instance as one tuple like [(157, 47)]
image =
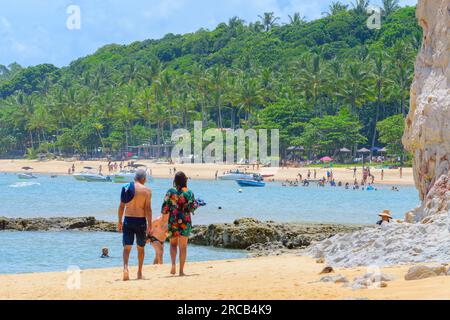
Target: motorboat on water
[(237, 175), (251, 183), (89, 176), (26, 175), (128, 174)]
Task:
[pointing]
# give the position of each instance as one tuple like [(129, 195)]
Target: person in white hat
[(385, 217)]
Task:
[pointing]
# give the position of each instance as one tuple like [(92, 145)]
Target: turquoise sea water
[(63, 196), (57, 251)]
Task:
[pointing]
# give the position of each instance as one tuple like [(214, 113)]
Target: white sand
[(207, 171)]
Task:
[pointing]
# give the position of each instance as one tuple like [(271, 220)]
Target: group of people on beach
[(174, 224)]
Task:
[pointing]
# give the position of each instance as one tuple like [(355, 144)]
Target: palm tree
[(256, 27), (312, 80), (336, 7), (249, 98), (216, 82), (402, 61), (390, 6), (354, 88), (379, 73), (297, 19), (360, 6), (269, 20), (235, 25)]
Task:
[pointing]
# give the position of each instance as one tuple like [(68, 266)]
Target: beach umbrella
[(345, 150), (326, 159), (384, 150), (364, 150)]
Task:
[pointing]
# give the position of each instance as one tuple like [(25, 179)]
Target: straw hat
[(386, 213)]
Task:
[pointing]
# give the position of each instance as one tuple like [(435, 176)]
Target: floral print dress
[(179, 205)]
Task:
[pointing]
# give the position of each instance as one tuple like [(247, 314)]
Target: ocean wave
[(24, 184)]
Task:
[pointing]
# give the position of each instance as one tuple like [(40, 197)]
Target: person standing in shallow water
[(179, 203)]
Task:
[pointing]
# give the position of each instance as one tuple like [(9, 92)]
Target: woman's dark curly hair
[(180, 180)]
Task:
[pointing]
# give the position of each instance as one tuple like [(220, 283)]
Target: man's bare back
[(136, 208)]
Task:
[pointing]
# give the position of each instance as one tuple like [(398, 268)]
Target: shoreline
[(285, 278), (208, 171)]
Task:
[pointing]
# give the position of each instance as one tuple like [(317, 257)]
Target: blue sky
[(34, 31)]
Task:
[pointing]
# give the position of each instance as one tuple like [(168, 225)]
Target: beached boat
[(237, 175), (251, 183)]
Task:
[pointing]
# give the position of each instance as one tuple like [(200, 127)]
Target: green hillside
[(333, 73)]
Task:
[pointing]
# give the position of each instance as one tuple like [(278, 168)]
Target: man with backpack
[(136, 206)]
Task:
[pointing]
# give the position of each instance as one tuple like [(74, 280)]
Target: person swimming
[(105, 253)]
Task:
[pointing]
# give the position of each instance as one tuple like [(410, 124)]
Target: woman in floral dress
[(179, 204)]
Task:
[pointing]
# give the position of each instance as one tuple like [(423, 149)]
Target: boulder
[(334, 279), (246, 232), (423, 272)]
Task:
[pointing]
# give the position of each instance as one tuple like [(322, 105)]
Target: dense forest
[(326, 84)]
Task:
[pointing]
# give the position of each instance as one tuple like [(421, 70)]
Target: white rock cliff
[(427, 133)]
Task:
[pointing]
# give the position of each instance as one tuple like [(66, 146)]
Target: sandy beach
[(283, 278), (208, 171)]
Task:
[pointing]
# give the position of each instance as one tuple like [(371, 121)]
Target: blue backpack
[(128, 192)]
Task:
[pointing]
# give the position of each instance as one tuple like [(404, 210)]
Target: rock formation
[(255, 235), (427, 133)]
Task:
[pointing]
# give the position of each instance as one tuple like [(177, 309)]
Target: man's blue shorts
[(134, 227)]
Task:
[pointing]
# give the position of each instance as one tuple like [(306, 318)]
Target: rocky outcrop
[(427, 133), (260, 238), (423, 272), (265, 236), (56, 224)]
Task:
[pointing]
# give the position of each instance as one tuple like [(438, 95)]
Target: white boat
[(236, 175), (123, 177), (90, 176), (96, 178), (26, 176), (127, 176)]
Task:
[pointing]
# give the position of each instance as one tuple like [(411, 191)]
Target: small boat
[(237, 175), (251, 183), (128, 174), (89, 176), (97, 178), (26, 176)]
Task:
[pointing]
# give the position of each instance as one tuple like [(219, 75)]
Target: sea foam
[(24, 184)]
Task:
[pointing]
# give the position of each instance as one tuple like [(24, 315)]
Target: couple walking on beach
[(136, 222)]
